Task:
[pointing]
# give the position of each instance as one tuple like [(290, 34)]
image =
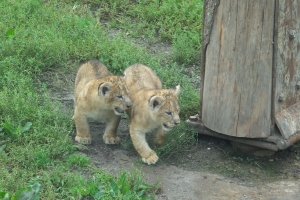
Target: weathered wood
[(288, 121), (238, 69), (271, 145), (209, 11), (286, 55)]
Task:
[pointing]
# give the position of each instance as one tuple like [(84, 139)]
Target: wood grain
[(286, 55), (238, 69)]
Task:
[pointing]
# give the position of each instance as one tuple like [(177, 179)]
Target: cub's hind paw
[(83, 140), (111, 140), (152, 159)]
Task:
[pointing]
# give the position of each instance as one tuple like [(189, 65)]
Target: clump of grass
[(14, 133), (186, 48), (127, 185), (32, 192), (78, 160), (182, 138)]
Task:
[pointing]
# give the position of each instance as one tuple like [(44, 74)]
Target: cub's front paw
[(152, 159), (111, 140), (83, 140)]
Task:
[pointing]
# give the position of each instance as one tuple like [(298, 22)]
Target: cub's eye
[(120, 97), (169, 113)]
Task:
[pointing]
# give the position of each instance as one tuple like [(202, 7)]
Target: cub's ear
[(155, 102), (177, 90), (104, 88)]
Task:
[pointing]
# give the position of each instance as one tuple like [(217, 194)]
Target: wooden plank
[(288, 121), (238, 69), (286, 55)]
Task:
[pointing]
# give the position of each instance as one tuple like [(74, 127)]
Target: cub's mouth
[(118, 111), (166, 127)]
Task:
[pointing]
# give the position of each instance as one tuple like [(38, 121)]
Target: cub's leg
[(82, 128), (140, 144), (110, 134), (160, 136)]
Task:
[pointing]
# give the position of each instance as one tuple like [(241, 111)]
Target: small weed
[(184, 51), (2, 147), (128, 185), (14, 133), (41, 159), (78, 160), (122, 188), (248, 159), (32, 192), (182, 138)]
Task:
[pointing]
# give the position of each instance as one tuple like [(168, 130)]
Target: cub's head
[(165, 109), (115, 94)]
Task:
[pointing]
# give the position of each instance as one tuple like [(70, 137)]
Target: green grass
[(179, 22), (38, 36), (182, 138)]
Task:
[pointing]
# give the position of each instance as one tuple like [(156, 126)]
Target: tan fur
[(154, 109), (99, 96)]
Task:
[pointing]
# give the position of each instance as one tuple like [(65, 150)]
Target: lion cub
[(154, 109), (99, 96)]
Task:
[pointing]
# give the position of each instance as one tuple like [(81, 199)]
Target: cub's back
[(139, 76), (89, 70)]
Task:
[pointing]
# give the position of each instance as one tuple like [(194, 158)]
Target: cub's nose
[(129, 105)]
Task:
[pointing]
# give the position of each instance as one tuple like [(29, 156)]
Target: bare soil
[(213, 170)]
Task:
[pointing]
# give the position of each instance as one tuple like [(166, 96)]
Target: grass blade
[(26, 127)]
